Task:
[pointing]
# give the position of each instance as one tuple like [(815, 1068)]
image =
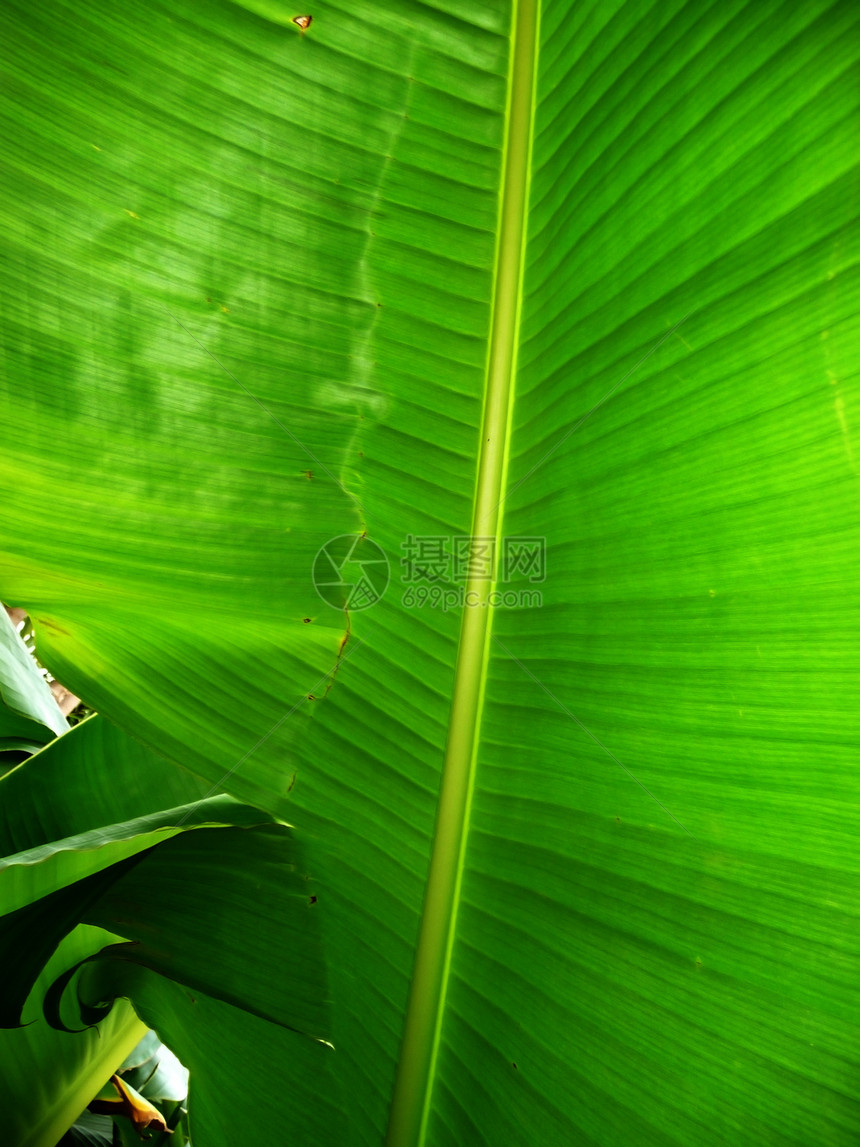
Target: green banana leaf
[(221, 910), (579, 272), (160, 899), (154, 1071), (90, 1131), (49, 1076)]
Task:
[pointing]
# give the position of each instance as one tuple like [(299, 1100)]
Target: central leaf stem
[(423, 1027)]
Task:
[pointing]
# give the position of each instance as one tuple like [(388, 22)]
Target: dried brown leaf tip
[(139, 1111), (304, 22)]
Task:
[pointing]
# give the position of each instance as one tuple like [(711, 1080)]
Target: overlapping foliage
[(252, 284)]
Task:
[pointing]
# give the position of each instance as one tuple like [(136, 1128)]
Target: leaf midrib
[(423, 1024)]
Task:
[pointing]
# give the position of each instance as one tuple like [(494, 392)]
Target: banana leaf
[(210, 894), (29, 715), (578, 279)]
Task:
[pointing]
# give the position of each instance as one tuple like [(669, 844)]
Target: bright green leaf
[(254, 303), (48, 1077)]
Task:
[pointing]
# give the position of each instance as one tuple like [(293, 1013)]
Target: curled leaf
[(131, 1105)]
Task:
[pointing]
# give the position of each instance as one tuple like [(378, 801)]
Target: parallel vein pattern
[(693, 160), (425, 1012), (321, 213)]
